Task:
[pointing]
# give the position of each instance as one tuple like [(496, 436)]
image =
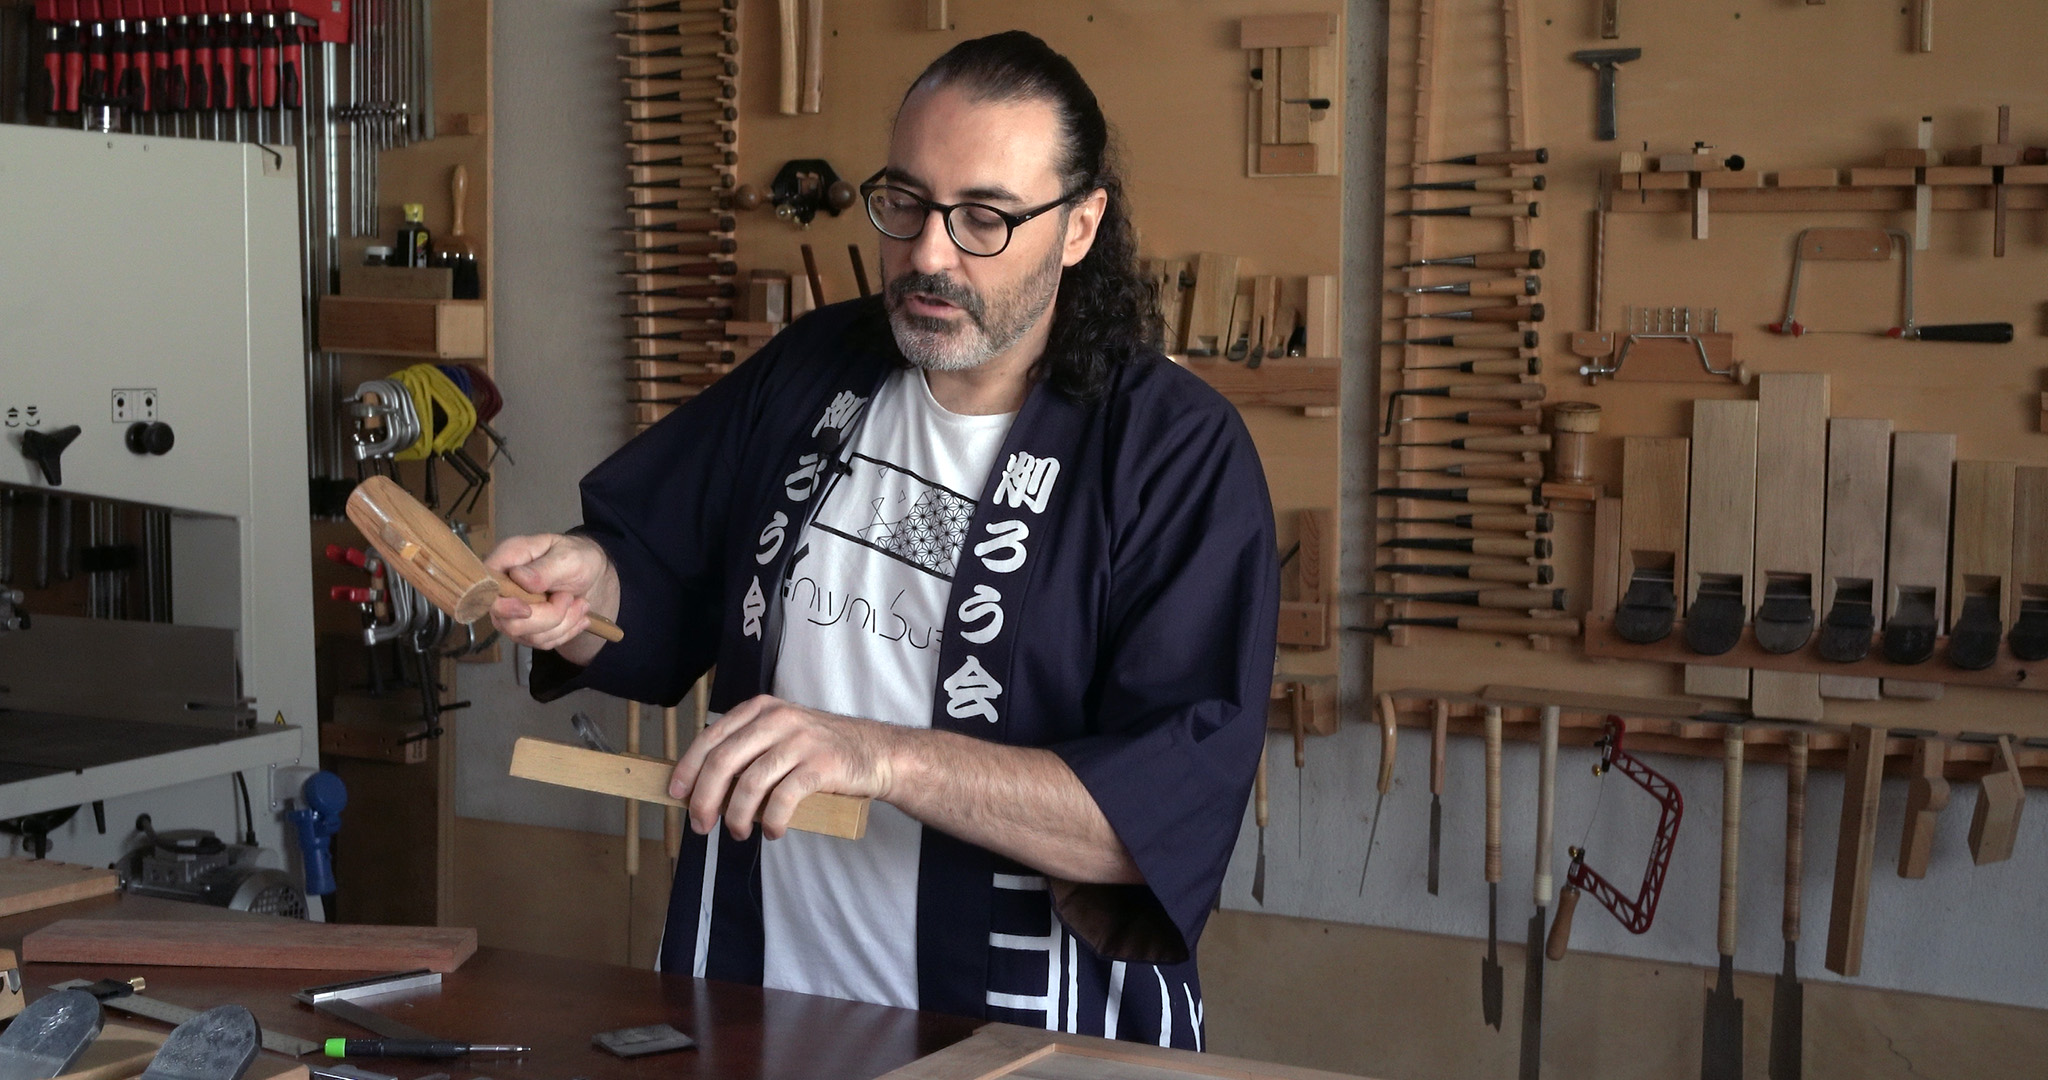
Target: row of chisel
[(681, 60), (1504, 538)]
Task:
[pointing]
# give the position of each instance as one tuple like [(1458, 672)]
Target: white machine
[(153, 397)]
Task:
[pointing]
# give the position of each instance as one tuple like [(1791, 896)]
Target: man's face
[(952, 311)]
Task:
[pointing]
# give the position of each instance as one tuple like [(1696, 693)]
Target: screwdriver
[(414, 1048)]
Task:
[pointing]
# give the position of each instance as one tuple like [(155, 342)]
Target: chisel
[(1533, 522), (1483, 470), (686, 292), (1504, 366), (1491, 978), (1492, 339), (676, 6), (709, 245), (1482, 418), (1501, 392), (1507, 443), (691, 223), (1788, 1001), (1439, 729), (1259, 815), (700, 269), (1514, 625), (1514, 313), (1522, 286), (1388, 715), (1485, 260), (1504, 547), (1502, 496), (1989, 333), (1510, 573), (1482, 210), (1492, 183), (1537, 156), (1504, 599), (1532, 985), (1721, 1032)]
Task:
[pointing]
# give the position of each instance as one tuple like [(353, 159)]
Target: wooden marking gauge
[(632, 776)]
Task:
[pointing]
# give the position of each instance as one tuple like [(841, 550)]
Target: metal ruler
[(166, 1013)]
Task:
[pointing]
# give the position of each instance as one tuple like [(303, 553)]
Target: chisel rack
[(680, 65)]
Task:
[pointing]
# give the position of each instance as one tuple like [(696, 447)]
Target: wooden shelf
[(2008, 673), (1289, 382), (432, 329), (1812, 200)]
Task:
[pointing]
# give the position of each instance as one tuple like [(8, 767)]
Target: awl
[(1439, 731)]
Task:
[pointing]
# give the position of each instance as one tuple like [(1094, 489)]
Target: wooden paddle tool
[(646, 779), (432, 559)]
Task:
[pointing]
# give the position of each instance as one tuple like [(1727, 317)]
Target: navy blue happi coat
[(1115, 602)]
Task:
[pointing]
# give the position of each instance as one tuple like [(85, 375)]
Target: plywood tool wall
[(1181, 116), (1788, 88)]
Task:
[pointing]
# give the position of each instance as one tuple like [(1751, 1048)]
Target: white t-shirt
[(861, 625)]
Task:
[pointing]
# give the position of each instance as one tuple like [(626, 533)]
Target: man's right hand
[(576, 577)]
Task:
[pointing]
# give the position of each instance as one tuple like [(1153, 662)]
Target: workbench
[(552, 1004)]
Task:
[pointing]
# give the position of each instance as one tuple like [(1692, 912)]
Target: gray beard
[(991, 326)]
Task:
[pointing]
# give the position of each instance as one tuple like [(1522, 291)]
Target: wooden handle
[(1505, 210), (1505, 522), (1439, 732), (1795, 829), (1259, 790), (1518, 599), (1510, 183), (599, 625), (814, 55), (1491, 339), (1924, 39), (1731, 834), (787, 101), (1508, 443), (632, 805), (1499, 496), (1560, 939), (1513, 547), (646, 779), (1493, 794), (1504, 624), (1299, 723), (671, 816), (1507, 260), (1500, 470), (1546, 801), (1501, 287), (1502, 392), (1503, 366), (1509, 573), (458, 192), (1388, 714)]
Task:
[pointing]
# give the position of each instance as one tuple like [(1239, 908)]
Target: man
[(972, 549)]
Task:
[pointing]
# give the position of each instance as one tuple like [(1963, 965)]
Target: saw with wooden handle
[(646, 779), (417, 544)]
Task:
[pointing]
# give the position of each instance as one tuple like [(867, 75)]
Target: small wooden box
[(399, 282), (434, 329)]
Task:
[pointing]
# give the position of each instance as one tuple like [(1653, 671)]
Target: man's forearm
[(1019, 802)]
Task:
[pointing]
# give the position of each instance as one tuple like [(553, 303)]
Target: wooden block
[(936, 17), (1995, 823), (1688, 162), (1629, 181), (1980, 553), (1721, 531), (1855, 849), (399, 282), (1801, 178), (646, 779), (1288, 159), (1624, 705), (1843, 245), (1662, 181), (1603, 594), (1209, 311), (1791, 490), (1984, 154), (397, 744), (2029, 541), (1269, 96), (12, 1000), (1288, 383), (1306, 621), (1911, 157), (1926, 796), (1655, 472), (1633, 161), (1296, 87), (464, 124), (1747, 178), (1287, 31), (1322, 312), (1883, 177), (1952, 175), (262, 942), (1859, 493), (1923, 464), (2026, 174), (30, 884), (437, 329)]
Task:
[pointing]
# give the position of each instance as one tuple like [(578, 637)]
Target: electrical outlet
[(134, 403)]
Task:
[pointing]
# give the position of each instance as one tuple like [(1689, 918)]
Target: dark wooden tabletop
[(554, 1005)]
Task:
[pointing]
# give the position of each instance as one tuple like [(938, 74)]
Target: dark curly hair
[(1106, 315)]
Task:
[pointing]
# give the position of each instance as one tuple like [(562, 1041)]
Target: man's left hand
[(761, 758)]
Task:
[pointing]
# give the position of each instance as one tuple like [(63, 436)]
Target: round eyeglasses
[(976, 228)]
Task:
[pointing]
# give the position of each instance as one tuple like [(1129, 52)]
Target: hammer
[(1605, 61)]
